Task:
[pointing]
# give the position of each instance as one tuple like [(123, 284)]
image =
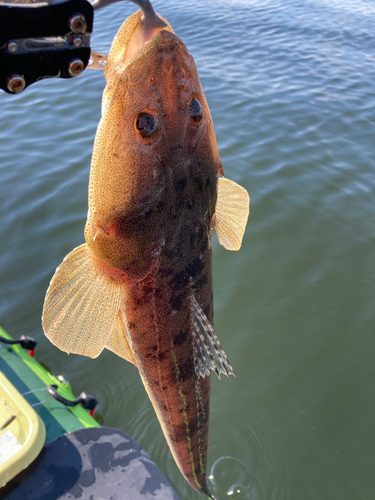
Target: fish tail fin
[(82, 303), (206, 492)]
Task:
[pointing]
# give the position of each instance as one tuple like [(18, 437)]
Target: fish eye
[(146, 125), (195, 111)]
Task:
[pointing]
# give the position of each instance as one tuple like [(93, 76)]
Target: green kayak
[(51, 447)]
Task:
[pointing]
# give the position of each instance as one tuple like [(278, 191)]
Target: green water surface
[(291, 88)]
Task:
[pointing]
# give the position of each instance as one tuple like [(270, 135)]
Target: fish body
[(142, 284)]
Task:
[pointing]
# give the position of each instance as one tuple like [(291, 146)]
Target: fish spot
[(172, 437), (193, 427), (203, 279), (207, 311), (181, 337), (154, 353), (177, 301), (180, 185), (203, 244), (193, 240), (181, 280), (195, 268), (167, 272), (123, 227), (187, 369)]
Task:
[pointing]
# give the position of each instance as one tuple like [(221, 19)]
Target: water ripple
[(259, 468)]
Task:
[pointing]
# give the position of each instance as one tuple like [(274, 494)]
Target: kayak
[(51, 446)]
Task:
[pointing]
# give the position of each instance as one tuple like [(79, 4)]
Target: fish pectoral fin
[(119, 341), (208, 353), (97, 60), (231, 213), (81, 304)]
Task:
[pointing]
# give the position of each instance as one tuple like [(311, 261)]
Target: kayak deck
[(99, 462), (32, 380), (80, 459), (22, 432)]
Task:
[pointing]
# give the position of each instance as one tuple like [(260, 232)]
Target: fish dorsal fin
[(231, 213), (208, 353), (119, 341), (81, 304)]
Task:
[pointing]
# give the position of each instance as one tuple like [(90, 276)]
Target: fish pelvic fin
[(231, 213), (82, 303), (119, 341), (208, 353)]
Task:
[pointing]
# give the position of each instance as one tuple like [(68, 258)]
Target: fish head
[(155, 140)]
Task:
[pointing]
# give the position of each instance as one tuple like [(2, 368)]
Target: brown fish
[(141, 285)]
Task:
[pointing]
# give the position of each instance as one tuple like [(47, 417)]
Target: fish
[(141, 285)]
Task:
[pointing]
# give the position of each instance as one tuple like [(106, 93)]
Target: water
[(290, 84)]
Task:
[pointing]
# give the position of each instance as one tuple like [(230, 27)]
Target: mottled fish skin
[(141, 285), (151, 207)]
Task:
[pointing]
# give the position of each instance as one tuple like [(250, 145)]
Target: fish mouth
[(134, 41), (135, 37), (149, 18), (144, 31)]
